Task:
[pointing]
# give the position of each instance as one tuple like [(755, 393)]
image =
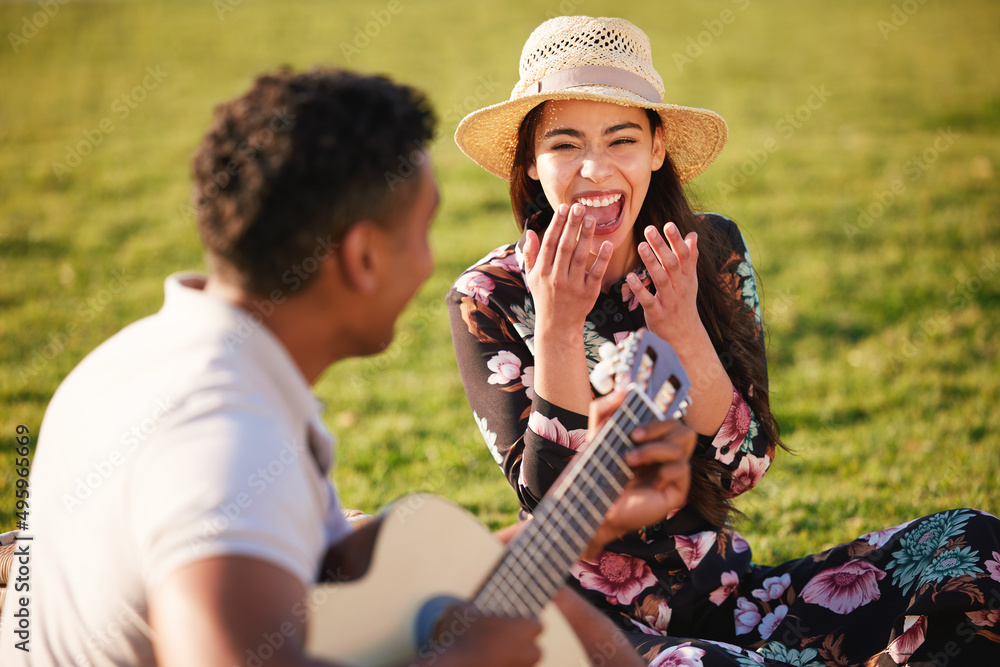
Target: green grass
[(883, 342)]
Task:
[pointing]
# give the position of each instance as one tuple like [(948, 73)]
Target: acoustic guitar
[(386, 584)]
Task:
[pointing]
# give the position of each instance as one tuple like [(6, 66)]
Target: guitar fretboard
[(539, 558)]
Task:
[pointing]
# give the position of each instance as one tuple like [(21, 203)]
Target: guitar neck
[(539, 558)]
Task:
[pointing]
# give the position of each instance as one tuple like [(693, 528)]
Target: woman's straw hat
[(584, 58)]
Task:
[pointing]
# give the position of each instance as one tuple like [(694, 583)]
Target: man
[(181, 500)]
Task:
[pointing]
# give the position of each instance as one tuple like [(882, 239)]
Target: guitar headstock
[(646, 363)]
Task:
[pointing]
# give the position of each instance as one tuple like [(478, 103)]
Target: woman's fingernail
[(588, 222)]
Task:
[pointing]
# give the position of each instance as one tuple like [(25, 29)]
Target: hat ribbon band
[(599, 75)]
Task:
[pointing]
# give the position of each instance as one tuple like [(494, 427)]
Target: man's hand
[(486, 641), (662, 473)]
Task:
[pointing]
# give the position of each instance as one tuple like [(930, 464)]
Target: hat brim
[(693, 137)]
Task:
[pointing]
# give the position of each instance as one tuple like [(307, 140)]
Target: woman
[(596, 163)]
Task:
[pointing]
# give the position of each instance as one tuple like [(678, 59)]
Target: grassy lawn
[(863, 166)]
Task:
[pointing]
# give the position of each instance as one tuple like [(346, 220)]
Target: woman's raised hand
[(563, 279), (671, 313)]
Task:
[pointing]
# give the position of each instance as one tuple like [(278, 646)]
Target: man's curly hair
[(288, 167)]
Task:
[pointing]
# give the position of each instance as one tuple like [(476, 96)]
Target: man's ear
[(361, 256), (659, 149)]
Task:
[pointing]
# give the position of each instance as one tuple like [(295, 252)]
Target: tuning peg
[(608, 351), (602, 376), (682, 408)]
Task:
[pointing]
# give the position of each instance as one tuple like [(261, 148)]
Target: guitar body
[(425, 547)]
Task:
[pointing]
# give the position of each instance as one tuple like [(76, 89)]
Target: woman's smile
[(599, 155)]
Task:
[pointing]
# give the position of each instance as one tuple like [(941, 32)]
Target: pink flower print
[(844, 588), (475, 284), (693, 548), (508, 263), (682, 655), (773, 620), (577, 439), (621, 335), (993, 566), (730, 580), (750, 471), (740, 544), (645, 629), (985, 618), (903, 646), (552, 429), (528, 380), (747, 616), (772, 588), (662, 618), (620, 577), (628, 296), (505, 366), (879, 538), (734, 429)]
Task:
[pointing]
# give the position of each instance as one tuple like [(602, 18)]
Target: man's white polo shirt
[(190, 433)]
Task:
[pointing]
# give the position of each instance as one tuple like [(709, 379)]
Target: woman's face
[(600, 155)]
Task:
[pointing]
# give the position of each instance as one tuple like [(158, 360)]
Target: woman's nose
[(596, 166)]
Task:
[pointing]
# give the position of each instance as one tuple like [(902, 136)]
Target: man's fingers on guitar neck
[(656, 453), (661, 429)]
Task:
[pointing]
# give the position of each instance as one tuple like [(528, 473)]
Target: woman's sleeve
[(740, 445), (532, 440)]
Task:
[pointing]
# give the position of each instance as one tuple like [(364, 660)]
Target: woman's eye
[(622, 141), (559, 147)]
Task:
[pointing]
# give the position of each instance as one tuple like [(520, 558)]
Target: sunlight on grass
[(862, 166)]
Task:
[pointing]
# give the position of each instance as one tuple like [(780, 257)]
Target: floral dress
[(687, 592)]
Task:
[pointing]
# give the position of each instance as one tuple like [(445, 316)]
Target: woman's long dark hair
[(730, 323)]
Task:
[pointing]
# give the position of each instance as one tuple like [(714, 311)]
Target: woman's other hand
[(671, 313)]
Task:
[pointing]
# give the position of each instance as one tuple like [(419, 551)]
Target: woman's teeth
[(600, 202)]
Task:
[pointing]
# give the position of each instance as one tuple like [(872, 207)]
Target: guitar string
[(550, 584), (524, 578), (520, 582), (543, 574)]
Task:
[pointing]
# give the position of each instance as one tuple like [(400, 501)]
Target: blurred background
[(862, 167)]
